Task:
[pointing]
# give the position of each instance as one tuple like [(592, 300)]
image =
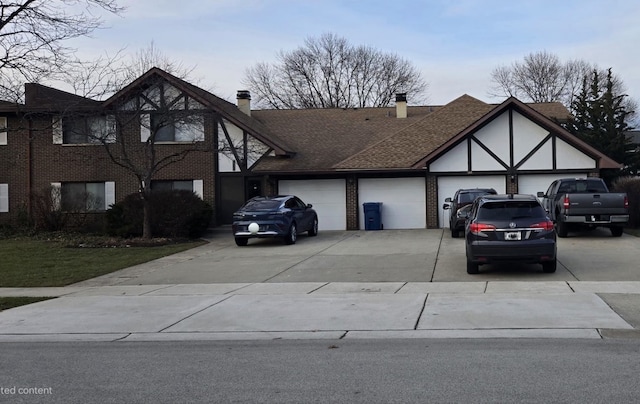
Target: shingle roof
[(406, 147), (335, 140), (322, 138)]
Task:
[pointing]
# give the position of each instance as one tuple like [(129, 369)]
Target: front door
[(232, 196)]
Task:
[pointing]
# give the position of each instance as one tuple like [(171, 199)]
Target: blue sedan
[(274, 216)]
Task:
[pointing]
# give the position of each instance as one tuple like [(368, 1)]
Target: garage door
[(328, 198), (533, 183), (447, 187), (403, 201)]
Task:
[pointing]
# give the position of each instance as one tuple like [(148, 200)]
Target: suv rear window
[(509, 210)]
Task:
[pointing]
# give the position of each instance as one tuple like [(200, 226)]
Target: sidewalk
[(321, 310)]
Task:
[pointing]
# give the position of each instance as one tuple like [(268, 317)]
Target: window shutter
[(198, 188), (56, 195), (56, 128), (145, 127), (4, 198), (3, 130), (109, 194)]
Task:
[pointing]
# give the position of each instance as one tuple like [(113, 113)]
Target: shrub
[(174, 214), (630, 185)]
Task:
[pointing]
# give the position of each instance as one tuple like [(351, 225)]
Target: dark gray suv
[(509, 228), (462, 199)]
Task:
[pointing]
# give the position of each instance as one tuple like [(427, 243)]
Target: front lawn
[(7, 303), (28, 262)]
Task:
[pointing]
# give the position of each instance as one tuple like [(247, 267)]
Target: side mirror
[(446, 206), (540, 195), (309, 206), (448, 199)]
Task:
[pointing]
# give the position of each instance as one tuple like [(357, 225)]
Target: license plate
[(512, 236)]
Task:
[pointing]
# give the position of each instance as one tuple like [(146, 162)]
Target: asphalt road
[(371, 371)]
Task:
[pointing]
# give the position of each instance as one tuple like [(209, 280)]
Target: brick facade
[(432, 202), (31, 162), (353, 208)]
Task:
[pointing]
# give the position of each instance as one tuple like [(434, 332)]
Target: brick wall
[(432, 202), (353, 207), (91, 163), (14, 157)]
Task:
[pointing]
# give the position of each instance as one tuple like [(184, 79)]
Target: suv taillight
[(566, 202), (547, 225), (477, 228)]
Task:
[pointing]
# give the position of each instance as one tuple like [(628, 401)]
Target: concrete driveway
[(425, 255), (379, 284)]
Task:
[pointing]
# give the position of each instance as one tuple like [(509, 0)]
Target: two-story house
[(409, 158)]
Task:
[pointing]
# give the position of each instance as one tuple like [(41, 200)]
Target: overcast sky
[(455, 44)]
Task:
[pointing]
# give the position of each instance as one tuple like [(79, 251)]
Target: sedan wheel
[(314, 228), (292, 236)]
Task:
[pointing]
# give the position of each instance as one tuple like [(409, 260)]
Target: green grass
[(7, 303), (26, 262)]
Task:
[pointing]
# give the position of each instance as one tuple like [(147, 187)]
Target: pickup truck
[(585, 203)]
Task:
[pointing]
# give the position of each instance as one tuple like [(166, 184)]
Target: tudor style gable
[(514, 138)]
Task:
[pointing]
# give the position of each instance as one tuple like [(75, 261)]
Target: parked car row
[(507, 227), (521, 228)]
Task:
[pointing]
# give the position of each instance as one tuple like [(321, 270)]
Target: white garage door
[(534, 183), (328, 197), (447, 187), (403, 201)]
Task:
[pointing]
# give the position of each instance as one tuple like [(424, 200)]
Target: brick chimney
[(401, 105), (244, 101)]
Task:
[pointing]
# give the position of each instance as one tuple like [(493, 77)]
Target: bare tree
[(33, 35), (541, 77), (328, 72)]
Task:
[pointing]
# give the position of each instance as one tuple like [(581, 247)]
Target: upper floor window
[(84, 129), (3, 130), (167, 128)]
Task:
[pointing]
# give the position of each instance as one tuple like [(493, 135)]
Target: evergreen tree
[(601, 119)]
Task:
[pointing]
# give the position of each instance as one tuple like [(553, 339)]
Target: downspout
[(29, 171)]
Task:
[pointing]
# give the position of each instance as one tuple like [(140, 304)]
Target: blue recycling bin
[(372, 215)]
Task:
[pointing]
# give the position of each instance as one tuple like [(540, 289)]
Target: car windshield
[(262, 204), (509, 210)]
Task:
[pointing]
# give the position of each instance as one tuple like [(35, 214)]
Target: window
[(169, 185), (187, 129), (3, 130), (84, 129), (165, 131), (4, 198), (86, 196)]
